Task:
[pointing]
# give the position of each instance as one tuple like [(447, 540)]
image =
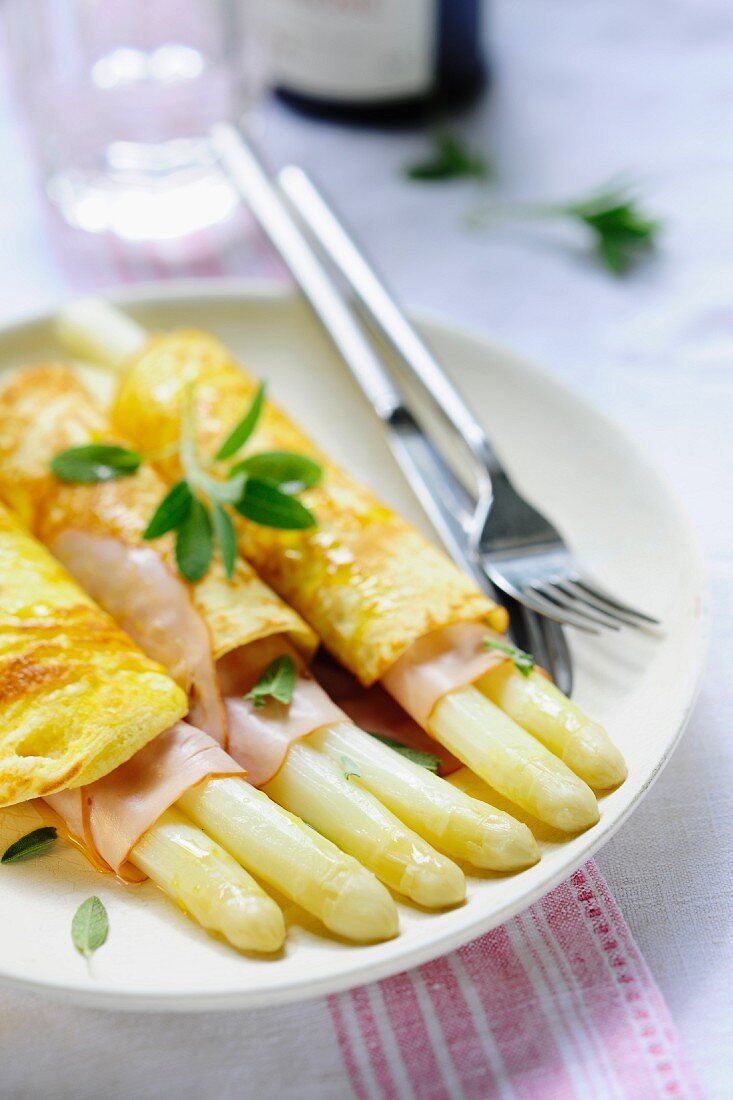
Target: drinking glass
[(119, 96)]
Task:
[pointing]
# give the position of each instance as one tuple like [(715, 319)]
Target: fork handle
[(442, 494), (259, 192), (382, 308)]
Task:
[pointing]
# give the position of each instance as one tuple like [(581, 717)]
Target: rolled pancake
[(97, 532), (215, 631), (77, 697), (368, 582)]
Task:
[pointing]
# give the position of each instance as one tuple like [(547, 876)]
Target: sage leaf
[(171, 512), (95, 462), (89, 927), (243, 430), (276, 682), (417, 756), (523, 662), (265, 504), (32, 844), (289, 471), (621, 233), (226, 536), (194, 542)]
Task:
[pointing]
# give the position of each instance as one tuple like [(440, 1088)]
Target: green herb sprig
[(261, 487), (523, 662), (451, 158), (417, 756), (276, 682), (89, 927), (31, 845), (621, 233)]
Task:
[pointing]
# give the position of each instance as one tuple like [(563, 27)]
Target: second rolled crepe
[(367, 581)]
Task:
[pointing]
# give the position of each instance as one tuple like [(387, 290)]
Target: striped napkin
[(556, 1004)]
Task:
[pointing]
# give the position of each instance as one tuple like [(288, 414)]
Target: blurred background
[(415, 115)]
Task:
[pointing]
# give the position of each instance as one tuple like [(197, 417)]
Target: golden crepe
[(215, 637), (96, 530), (77, 697), (366, 581)]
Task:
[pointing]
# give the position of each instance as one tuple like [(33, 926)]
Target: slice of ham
[(135, 586), (437, 663), (112, 814), (260, 737)]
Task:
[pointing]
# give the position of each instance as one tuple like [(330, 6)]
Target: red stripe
[(643, 1000), (412, 1036), (373, 1043), (518, 1023), (600, 986), (578, 1023), (459, 1031), (347, 1051)]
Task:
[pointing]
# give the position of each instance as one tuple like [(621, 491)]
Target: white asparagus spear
[(511, 760), (209, 884), (468, 724), (98, 332), (462, 826), (281, 849), (317, 789), (536, 704)]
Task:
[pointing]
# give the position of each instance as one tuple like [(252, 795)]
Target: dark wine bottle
[(375, 61)]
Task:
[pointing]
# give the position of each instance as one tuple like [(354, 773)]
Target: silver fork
[(527, 558), (521, 551), (451, 508)]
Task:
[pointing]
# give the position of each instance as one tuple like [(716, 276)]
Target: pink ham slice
[(260, 737), (112, 814), (437, 663), (133, 584)]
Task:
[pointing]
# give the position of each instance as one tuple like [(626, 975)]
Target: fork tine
[(560, 664), (528, 597), (609, 601), (592, 600), (543, 606), (560, 591), (550, 591)]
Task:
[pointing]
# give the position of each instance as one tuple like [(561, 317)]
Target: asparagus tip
[(253, 923), (363, 911)]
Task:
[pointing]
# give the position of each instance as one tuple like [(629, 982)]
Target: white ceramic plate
[(590, 479)]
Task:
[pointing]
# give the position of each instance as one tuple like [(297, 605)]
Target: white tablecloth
[(581, 92)]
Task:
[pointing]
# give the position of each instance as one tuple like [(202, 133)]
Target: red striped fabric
[(557, 1004)]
